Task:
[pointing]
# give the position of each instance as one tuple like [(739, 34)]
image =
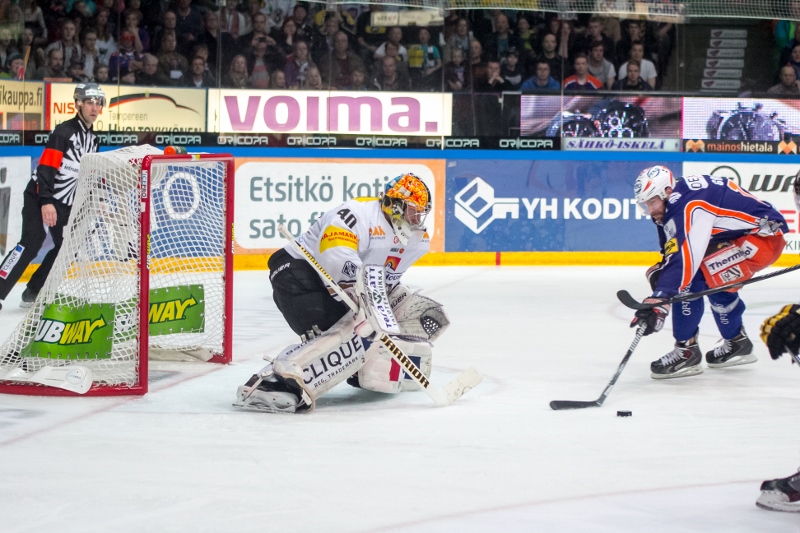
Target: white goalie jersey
[(357, 233)]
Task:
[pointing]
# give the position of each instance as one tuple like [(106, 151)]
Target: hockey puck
[(624, 413)]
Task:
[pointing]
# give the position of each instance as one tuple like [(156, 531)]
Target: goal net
[(145, 268), (666, 10)]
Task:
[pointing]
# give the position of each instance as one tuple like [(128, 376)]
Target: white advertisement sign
[(15, 173), (771, 182), (168, 109), (295, 192), (308, 112)]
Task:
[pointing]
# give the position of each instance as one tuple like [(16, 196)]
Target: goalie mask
[(406, 202), (652, 182)]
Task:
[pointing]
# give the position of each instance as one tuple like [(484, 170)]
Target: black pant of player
[(33, 236), (300, 294)]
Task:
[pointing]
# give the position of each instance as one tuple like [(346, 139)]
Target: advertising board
[(15, 173), (135, 109), (741, 125), (590, 123), (295, 192), (21, 106), (546, 205), (312, 112), (771, 182)]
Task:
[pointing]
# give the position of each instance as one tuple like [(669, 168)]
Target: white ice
[(182, 459)]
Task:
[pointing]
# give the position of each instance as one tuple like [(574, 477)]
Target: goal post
[(145, 271)]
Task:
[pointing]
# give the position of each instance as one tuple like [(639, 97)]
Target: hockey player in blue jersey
[(712, 232)]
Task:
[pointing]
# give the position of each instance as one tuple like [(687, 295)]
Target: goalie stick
[(77, 379), (560, 405), (629, 301), (444, 396)]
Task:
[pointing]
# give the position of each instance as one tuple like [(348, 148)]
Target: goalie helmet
[(652, 182), (406, 201), (89, 91)]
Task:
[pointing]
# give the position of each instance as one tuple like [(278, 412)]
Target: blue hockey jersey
[(704, 210)]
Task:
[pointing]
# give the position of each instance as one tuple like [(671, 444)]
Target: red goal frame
[(144, 284)]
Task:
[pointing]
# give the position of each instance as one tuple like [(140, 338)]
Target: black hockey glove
[(781, 332), (654, 318)]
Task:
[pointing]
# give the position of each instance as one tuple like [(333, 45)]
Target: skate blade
[(735, 361), (682, 373), (777, 501)]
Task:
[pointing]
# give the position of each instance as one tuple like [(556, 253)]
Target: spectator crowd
[(285, 44)]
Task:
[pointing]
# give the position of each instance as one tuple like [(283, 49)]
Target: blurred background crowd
[(285, 44)]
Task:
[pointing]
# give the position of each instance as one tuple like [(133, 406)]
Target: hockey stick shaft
[(629, 301), (444, 396), (567, 404)]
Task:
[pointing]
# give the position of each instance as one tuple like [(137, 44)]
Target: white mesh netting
[(88, 310), (775, 9)]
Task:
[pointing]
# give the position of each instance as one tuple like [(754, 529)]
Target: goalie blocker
[(302, 373)]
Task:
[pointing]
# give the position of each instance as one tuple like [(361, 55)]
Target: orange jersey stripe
[(51, 158), (686, 252)]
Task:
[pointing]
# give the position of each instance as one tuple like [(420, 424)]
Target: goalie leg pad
[(381, 373), (417, 315), (310, 370)]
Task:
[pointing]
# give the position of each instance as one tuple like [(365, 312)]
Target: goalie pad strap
[(373, 300)]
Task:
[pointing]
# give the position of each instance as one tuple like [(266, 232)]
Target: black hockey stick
[(629, 301), (560, 405)]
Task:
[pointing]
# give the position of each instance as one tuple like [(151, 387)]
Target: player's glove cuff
[(653, 317)]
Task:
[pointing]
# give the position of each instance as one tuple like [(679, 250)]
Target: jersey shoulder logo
[(349, 269), (377, 231)]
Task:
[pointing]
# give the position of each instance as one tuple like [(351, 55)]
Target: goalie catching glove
[(781, 332), (654, 317)]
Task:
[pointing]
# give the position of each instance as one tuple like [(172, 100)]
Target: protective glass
[(797, 190)]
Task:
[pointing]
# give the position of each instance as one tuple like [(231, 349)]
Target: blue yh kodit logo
[(477, 207)]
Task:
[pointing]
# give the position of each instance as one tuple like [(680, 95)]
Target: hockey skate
[(28, 298), (781, 494), (274, 393), (736, 351), (684, 360)]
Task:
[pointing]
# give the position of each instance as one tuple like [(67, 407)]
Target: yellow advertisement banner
[(135, 108), (21, 105)]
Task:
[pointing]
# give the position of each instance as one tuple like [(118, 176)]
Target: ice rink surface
[(182, 459)]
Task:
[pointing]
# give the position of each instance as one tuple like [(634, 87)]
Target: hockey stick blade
[(468, 380), (562, 405), (629, 301), (77, 379)]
